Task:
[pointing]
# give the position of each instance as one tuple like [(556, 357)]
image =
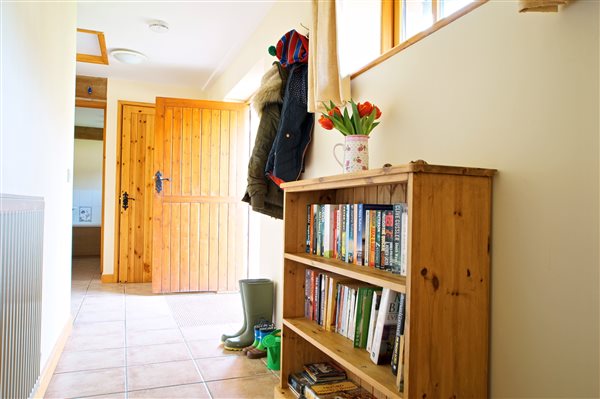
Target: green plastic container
[(273, 344)]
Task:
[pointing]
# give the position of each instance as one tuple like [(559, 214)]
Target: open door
[(200, 224)]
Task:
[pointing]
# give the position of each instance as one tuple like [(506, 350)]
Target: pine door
[(135, 196), (199, 222)]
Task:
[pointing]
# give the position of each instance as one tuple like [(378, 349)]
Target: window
[(372, 31)]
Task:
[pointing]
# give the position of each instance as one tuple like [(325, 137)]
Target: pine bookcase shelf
[(447, 282)]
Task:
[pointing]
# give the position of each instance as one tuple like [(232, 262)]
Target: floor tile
[(261, 387), (100, 328), (220, 368), (90, 360), (209, 348), (121, 395), (162, 375), (197, 333), (97, 316), (180, 391), (90, 342), (156, 323), (138, 355), (86, 383), (153, 337)]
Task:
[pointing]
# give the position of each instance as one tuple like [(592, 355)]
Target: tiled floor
[(128, 343)]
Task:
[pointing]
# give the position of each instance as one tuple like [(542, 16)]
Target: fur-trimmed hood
[(271, 89)]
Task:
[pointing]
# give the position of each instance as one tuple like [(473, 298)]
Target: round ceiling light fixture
[(158, 26), (128, 56)]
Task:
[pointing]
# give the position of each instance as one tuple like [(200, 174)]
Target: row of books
[(371, 317), (325, 381), (372, 235)]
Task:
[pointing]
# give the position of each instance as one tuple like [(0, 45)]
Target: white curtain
[(324, 81)]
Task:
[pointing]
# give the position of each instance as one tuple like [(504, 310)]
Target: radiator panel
[(21, 256)]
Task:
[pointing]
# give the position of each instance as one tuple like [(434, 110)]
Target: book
[(324, 372), (329, 390), (327, 219), (352, 313), (307, 296), (404, 241), (359, 238), (399, 334), (372, 236), (385, 327), (378, 262), (315, 214), (396, 250), (357, 393), (298, 382), (363, 315), (344, 232), (387, 239), (366, 235), (308, 228), (350, 235), (313, 295), (373, 318), (332, 301)]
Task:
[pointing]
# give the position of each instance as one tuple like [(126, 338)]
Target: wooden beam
[(89, 133), (97, 86)]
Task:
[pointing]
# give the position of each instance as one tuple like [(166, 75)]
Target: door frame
[(99, 105), (120, 105)]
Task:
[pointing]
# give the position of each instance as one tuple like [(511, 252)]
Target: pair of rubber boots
[(257, 301), (258, 350)]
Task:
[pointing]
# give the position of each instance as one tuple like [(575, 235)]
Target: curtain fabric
[(540, 5), (324, 81)]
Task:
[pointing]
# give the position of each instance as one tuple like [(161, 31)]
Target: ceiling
[(203, 37)]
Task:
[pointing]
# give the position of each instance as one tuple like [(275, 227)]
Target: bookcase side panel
[(448, 286)]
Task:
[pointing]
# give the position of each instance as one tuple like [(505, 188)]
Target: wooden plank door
[(136, 179), (199, 222)]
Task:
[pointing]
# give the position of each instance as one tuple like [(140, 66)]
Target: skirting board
[(52, 362), (108, 278)]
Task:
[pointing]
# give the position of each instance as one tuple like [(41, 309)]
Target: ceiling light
[(128, 56), (158, 26)]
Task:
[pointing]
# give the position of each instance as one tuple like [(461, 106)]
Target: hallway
[(128, 343)]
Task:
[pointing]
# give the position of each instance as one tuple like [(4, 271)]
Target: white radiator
[(21, 254)]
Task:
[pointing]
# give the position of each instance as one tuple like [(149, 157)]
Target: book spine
[(383, 339), (313, 295), (359, 312), (326, 229), (315, 215), (338, 232), (388, 240), (352, 314), (360, 234), (366, 315), (372, 236), (373, 318), (404, 241), (323, 299), (307, 306), (319, 297), (366, 237), (378, 241), (399, 333), (308, 238), (396, 250), (350, 234), (344, 229)]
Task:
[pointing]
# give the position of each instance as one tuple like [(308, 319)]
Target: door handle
[(125, 200), (158, 179)]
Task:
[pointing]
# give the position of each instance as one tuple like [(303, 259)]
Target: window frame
[(391, 25)]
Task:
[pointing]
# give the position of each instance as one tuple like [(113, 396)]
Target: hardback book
[(385, 327), (397, 250), (299, 381), (404, 242), (364, 228), (387, 240), (372, 237), (373, 318), (399, 334), (324, 372), (363, 315), (308, 228), (358, 393), (329, 390), (378, 249)]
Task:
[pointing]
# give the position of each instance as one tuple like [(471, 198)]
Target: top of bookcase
[(385, 175)]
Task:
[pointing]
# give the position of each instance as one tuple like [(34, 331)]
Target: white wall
[(87, 180), (38, 82), (516, 92), (129, 91), (266, 233)]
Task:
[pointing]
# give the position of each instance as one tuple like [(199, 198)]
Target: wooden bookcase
[(447, 284)]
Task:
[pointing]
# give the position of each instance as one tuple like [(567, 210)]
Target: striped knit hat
[(292, 48)]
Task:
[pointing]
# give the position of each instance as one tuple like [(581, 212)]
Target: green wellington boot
[(258, 305), (254, 280)]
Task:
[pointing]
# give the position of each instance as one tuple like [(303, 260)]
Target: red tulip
[(378, 114), (325, 122), (365, 109), (334, 111)]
